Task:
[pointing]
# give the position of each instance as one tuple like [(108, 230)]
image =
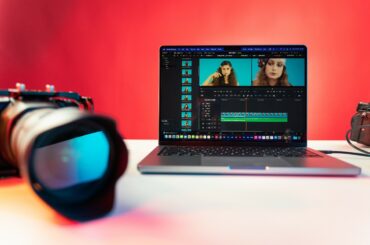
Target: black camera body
[(360, 124)]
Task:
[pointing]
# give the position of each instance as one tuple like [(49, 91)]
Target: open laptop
[(236, 110)]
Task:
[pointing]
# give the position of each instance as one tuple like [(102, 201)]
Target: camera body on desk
[(70, 156), (360, 124)]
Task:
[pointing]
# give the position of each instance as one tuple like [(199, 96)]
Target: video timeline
[(258, 117)]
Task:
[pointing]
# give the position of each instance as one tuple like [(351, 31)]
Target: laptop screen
[(237, 94)]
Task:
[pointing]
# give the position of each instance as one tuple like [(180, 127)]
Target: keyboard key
[(236, 151)]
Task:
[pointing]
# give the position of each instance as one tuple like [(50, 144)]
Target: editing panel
[(233, 93)]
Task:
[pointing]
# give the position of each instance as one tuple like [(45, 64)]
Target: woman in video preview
[(272, 73), (224, 76)]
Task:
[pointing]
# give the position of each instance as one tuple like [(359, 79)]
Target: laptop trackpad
[(245, 162)]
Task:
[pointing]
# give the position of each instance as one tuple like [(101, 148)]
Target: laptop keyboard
[(218, 151)]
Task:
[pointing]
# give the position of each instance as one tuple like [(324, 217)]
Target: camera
[(71, 157), (360, 124)]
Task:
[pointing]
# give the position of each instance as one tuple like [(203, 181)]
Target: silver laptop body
[(236, 110)]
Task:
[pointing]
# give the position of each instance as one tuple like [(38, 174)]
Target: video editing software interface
[(233, 93)]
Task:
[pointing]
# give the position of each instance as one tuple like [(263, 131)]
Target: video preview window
[(252, 72)]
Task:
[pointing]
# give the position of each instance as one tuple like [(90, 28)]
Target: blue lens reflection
[(71, 162)]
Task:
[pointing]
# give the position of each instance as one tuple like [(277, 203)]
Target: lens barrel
[(71, 158)]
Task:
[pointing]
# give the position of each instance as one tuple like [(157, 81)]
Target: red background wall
[(109, 50)]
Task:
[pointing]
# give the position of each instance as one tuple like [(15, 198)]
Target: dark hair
[(262, 79), (220, 81)]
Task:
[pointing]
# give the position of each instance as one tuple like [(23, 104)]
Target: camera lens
[(70, 162), (71, 158)]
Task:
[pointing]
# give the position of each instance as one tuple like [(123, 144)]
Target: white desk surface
[(185, 209)]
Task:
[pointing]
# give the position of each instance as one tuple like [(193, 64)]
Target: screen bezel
[(186, 142)]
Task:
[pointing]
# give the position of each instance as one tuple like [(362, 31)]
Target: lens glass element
[(72, 162)]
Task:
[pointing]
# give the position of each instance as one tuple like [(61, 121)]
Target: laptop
[(236, 110)]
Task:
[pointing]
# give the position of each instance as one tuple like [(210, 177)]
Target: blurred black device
[(360, 124)]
